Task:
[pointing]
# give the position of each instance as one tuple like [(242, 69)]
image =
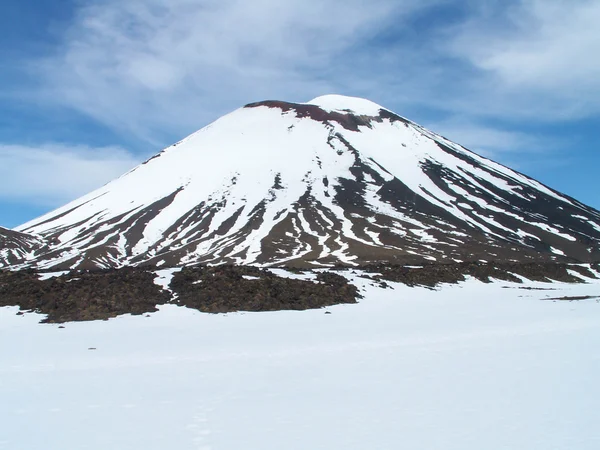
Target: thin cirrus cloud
[(159, 69), (51, 174), (143, 66), (533, 59), (489, 141)]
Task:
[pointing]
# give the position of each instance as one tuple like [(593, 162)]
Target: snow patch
[(48, 275), (164, 277)]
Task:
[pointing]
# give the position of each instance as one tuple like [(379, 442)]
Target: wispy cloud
[(51, 174), (534, 59), (171, 65), (519, 150), (159, 68), (490, 141)]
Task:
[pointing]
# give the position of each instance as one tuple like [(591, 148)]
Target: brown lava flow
[(102, 294)]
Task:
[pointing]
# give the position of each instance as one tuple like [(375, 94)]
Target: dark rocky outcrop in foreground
[(83, 296), (102, 294), (223, 288)]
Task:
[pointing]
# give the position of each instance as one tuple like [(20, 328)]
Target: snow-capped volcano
[(335, 180)]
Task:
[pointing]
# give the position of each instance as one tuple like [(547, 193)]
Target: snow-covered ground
[(472, 366)]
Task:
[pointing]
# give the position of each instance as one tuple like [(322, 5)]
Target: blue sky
[(90, 88)]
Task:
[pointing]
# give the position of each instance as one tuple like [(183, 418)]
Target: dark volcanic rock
[(15, 247), (433, 274), (102, 294), (83, 296), (223, 289)]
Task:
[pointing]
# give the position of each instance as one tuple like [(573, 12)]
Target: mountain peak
[(342, 103)]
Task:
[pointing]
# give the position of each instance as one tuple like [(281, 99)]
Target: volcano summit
[(337, 180)]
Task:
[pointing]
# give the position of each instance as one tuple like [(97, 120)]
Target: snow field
[(468, 366)]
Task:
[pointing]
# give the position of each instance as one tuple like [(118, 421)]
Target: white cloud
[(489, 140), (516, 149), (168, 66), (556, 48), (536, 58), (159, 69), (52, 174)]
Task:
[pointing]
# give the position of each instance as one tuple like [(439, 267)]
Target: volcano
[(337, 180)]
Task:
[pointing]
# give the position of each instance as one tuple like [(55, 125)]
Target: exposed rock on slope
[(16, 248)]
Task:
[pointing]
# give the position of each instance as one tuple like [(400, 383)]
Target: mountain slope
[(16, 248), (337, 180)]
